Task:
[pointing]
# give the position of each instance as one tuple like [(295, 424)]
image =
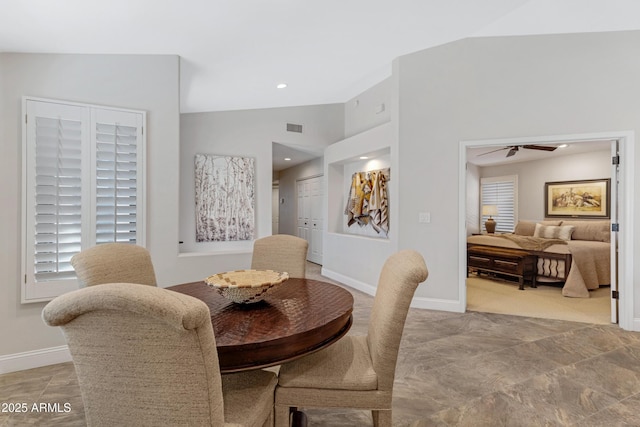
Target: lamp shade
[(489, 210)]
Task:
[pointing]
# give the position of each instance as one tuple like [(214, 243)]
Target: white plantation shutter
[(81, 187), (117, 139), (501, 191), (58, 197)]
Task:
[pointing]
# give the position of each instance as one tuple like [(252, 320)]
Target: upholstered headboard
[(595, 230)]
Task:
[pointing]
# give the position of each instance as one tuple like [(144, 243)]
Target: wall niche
[(366, 196)]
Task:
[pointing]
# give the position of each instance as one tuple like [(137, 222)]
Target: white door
[(310, 216), (303, 210), (315, 200)]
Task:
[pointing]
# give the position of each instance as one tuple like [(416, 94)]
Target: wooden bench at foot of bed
[(510, 262)]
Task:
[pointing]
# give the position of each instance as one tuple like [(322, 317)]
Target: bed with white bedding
[(576, 252)]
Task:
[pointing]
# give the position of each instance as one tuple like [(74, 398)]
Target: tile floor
[(471, 369)]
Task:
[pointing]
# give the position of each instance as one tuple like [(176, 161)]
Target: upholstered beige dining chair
[(147, 356), (281, 252), (357, 371), (114, 263)]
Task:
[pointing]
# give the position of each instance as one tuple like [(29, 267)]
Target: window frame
[(502, 207), (32, 290)]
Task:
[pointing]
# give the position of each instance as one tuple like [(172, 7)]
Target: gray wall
[(248, 133), (367, 130), (354, 259), (141, 82), (500, 87), (533, 175), (364, 111)]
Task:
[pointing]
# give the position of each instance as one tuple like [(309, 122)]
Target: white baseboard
[(352, 283), (437, 304), (34, 359), (636, 324), (417, 302)]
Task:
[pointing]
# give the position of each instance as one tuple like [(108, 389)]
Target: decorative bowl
[(246, 286)]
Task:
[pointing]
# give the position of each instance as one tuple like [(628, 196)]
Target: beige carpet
[(544, 301)]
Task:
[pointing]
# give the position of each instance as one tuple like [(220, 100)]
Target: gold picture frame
[(589, 198)]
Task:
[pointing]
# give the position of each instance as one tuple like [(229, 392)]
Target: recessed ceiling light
[(364, 157), (281, 85), (287, 158)]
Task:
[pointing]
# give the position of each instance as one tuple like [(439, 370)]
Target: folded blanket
[(532, 243)]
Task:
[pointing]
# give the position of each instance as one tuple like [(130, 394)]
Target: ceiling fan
[(513, 149)]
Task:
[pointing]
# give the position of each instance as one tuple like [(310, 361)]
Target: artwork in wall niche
[(225, 198), (368, 200), (584, 199)]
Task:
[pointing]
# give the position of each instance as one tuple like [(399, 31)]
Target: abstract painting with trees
[(225, 198)]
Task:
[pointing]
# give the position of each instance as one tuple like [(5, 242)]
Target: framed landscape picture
[(578, 199)]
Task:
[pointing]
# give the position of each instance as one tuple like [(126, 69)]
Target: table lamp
[(490, 210)]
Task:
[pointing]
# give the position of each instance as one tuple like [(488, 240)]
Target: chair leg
[(283, 416), (298, 419), (382, 418)]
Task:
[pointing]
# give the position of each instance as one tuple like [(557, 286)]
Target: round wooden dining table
[(299, 317)]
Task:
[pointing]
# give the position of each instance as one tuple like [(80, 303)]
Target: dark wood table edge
[(326, 335), (324, 344)]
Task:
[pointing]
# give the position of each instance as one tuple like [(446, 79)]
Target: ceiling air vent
[(294, 128)]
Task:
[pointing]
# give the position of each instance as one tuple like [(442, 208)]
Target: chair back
[(399, 278), (114, 263), (143, 355), (281, 252)]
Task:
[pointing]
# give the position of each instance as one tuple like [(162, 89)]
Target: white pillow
[(553, 231)]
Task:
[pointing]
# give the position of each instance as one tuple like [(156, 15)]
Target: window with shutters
[(501, 191), (83, 184)]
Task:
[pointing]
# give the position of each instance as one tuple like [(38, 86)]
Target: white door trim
[(613, 209), (625, 212)]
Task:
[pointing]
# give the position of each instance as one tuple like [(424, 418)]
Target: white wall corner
[(34, 359)]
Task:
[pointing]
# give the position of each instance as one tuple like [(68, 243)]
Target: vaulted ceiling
[(234, 52)]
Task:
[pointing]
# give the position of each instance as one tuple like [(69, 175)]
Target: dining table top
[(298, 317)]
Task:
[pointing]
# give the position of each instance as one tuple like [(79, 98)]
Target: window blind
[(58, 197), (116, 183), (502, 192)]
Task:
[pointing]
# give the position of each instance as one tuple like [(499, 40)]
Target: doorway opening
[(608, 144), (296, 196)]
